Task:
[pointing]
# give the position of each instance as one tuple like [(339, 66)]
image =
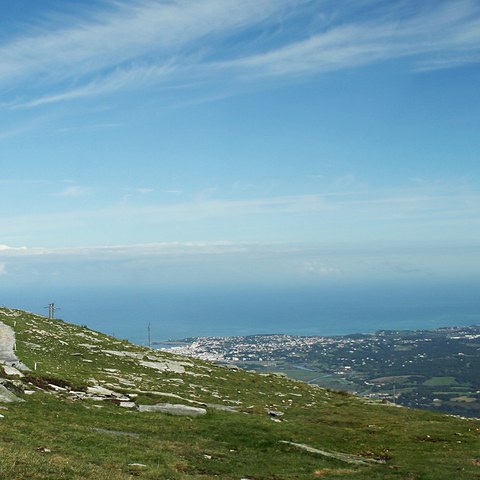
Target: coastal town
[(431, 369)]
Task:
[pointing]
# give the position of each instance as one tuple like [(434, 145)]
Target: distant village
[(432, 369)]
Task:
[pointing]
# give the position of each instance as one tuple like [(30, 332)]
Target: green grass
[(440, 381), (100, 440)]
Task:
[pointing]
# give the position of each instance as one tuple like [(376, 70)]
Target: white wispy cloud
[(318, 268), (436, 212), (143, 190), (118, 80), (128, 45), (228, 262), (169, 249), (73, 191), (122, 46), (8, 249), (442, 36)]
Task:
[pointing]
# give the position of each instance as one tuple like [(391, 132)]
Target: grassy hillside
[(84, 416)]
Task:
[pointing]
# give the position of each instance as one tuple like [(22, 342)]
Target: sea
[(179, 312)]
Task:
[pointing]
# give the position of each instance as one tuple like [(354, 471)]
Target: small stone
[(44, 450), (275, 413), (57, 388)]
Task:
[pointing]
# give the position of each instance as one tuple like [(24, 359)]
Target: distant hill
[(77, 404)]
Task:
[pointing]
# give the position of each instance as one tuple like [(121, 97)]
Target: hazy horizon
[(177, 312)]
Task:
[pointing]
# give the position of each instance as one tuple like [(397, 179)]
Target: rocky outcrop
[(7, 348)]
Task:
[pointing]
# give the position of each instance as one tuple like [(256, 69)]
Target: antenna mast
[(51, 310)]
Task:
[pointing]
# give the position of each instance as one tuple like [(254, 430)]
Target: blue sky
[(254, 140)]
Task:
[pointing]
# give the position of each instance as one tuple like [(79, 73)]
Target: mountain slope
[(89, 413)]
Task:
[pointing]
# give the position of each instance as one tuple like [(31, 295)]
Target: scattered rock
[(344, 457), (173, 409)]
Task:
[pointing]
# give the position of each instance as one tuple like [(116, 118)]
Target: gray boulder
[(6, 396)]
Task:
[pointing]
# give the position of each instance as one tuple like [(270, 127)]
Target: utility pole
[(149, 336), (51, 311)]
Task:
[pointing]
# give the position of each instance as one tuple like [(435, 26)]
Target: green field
[(440, 381)]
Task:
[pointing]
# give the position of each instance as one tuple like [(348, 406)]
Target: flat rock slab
[(97, 390), (12, 371), (344, 457), (164, 366), (173, 409)]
